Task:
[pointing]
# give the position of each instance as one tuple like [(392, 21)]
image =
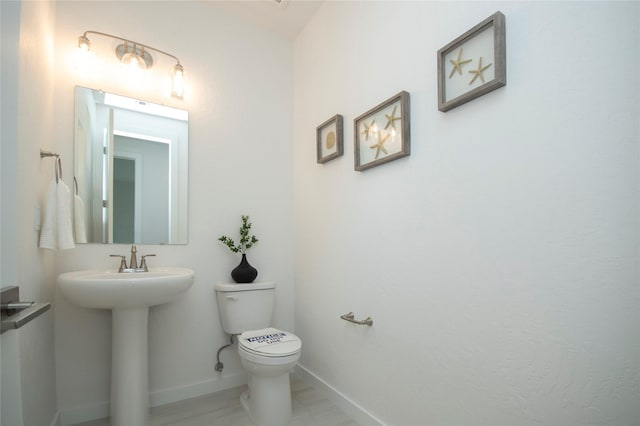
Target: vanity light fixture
[(137, 55)]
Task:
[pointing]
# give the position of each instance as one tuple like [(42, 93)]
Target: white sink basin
[(129, 295), (113, 290)]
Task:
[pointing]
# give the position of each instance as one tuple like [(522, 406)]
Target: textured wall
[(500, 260), (31, 118)]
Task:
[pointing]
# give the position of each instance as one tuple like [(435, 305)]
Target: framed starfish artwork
[(473, 64), (383, 133), (329, 136)]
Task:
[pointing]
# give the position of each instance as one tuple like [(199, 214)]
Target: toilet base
[(268, 400)]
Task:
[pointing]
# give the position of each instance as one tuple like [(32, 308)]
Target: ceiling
[(285, 17)]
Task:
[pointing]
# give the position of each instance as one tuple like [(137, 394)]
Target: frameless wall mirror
[(130, 170)]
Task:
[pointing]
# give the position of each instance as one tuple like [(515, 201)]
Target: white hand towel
[(49, 229), (78, 220), (63, 211)]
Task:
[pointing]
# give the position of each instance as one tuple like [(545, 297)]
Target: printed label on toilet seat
[(266, 339)]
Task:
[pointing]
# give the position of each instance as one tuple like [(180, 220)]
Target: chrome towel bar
[(350, 317)]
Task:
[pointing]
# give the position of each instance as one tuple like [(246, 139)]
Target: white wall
[(36, 268), (500, 260), (30, 118), (240, 162)]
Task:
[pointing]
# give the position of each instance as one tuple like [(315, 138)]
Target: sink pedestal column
[(130, 367)]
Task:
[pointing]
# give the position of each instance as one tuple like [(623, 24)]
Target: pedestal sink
[(129, 296)]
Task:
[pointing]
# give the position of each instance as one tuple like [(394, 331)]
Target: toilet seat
[(269, 342)]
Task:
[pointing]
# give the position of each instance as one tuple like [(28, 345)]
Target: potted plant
[(244, 272)]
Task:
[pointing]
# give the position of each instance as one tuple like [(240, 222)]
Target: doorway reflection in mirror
[(131, 168)]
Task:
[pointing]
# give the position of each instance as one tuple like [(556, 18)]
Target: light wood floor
[(223, 409)]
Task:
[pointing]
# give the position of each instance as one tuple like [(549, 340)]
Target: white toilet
[(267, 354)]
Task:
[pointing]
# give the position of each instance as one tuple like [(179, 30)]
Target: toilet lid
[(270, 342)]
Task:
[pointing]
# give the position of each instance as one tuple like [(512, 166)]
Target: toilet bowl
[(268, 355)]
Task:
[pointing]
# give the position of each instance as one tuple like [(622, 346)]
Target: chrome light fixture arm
[(83, 39)]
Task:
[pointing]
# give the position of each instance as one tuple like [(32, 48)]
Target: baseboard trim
[(180, 393), (352, 409), (83, 414), (160, 397), (56, 420)]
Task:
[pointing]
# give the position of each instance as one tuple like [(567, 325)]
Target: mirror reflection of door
[(124, 197), (141, 196), (101, 117)]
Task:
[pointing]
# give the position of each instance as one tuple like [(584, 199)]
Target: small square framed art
[(329, 139)]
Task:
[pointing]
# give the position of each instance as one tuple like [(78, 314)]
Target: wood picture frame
[(383, 133), (329, 139), (473, 64)]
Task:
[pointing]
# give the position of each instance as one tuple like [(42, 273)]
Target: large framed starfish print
[(383, 133), (473, 64)]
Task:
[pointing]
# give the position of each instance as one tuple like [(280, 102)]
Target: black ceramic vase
[(244, 273)]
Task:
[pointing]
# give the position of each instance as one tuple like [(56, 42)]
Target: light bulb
[(84, 44), (133, 60), (84, 57), (177, 83)]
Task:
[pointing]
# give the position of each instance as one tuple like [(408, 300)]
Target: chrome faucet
[(133, 263)]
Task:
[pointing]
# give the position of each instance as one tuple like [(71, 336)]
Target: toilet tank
[(245, 307)]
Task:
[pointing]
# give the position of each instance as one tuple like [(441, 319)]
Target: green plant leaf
[(246, 241)]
